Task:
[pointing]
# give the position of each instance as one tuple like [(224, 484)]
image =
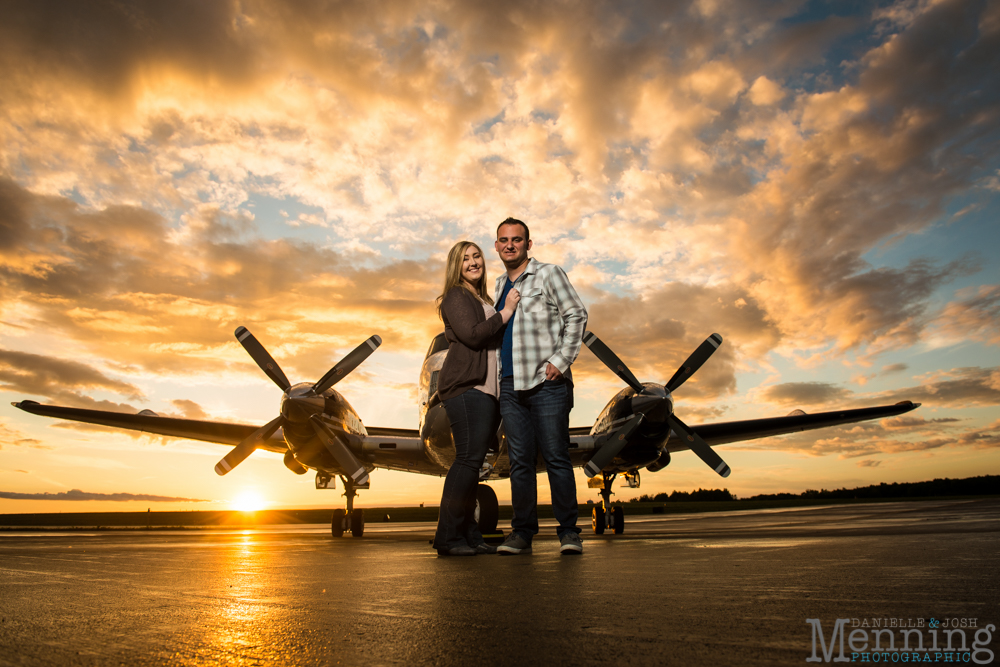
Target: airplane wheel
[(618, 516), (599, 524), (487, 509), (337, 523), (358, 523)]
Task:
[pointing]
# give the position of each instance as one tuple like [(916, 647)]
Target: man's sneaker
[(514, 544), (570, 544), (483, 548)]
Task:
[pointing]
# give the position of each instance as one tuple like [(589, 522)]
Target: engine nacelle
[(660, 463), (294, 465), (436, 435)]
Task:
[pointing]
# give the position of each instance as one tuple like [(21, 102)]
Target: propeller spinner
[(647, 399), (302, 394)]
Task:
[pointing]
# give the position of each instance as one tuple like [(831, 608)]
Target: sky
[(818, 182)]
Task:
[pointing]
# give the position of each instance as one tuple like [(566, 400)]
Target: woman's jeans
[(474, 418)]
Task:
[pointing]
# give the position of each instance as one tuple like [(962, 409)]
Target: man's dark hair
[(515, 221)]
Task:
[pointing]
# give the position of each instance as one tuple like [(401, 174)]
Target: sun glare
[(248, 501)]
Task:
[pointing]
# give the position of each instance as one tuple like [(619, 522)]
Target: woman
[(467, 385)]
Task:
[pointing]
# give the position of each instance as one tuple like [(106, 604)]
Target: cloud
[(893, 435), (77, 494), (10, 435), (654, 334), (696, 170), (189, 409), (119, 283), (765, 92), (869, 463), (804, 393), (911, 422), (59, 380), (975, 316), (955, 388)]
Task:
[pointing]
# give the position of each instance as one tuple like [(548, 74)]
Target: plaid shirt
[(548, 323)]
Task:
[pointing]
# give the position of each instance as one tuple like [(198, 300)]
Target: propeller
[(347, 364), (262, 357), (646, 400), (611, 360), (694, 362), (699, 446), (341, 454), (612, 446), (247, 447)]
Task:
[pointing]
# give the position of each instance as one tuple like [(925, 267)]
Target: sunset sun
[(248, 501)]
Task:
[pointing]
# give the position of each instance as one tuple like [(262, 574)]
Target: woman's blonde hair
[(453, 273)]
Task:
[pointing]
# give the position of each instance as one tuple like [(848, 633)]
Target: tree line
[(985, 485)]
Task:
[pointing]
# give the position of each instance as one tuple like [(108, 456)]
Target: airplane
[(317, 429)]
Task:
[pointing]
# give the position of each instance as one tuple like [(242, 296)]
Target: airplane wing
[(751, 429), (580, 439), (391, 447), (390, 433), (192, 429)]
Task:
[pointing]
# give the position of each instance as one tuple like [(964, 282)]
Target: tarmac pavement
[(702, 589)]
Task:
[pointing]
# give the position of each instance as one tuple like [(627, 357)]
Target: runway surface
[(702, 589)]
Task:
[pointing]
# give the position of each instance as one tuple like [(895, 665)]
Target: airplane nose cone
[(299, 403), (654, 402)]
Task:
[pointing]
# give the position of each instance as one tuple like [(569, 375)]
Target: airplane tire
[(337, 523), (487, 509), (358, 523), (598, 520), (618, 516)]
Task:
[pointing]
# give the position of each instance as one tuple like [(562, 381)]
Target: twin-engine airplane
[(317, 429)]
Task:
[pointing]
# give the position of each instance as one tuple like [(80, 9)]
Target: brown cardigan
[(470, 336)]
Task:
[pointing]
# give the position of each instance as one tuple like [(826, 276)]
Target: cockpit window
[(439, 344)]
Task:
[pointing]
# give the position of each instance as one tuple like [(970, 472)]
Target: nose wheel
[(605, 516), (350, 519)]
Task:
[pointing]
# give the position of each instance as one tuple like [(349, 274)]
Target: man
[(540, 343)]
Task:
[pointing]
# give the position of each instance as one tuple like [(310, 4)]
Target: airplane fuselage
[(645, 447)]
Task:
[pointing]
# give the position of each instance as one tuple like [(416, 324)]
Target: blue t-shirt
[(507, 348)]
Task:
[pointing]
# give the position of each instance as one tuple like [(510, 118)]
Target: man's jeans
[(537, 421), (474, 421)]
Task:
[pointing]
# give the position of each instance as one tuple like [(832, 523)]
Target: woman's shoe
[(463, 550)]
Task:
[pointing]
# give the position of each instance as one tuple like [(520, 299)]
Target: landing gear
[(599, 521), (358, 522), (349, 519), (618, 520), (606, 516), (338, 522), (487, 509)]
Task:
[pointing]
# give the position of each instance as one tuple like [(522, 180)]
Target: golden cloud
[(691, 183)]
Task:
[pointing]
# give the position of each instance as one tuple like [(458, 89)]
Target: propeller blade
[(612, 446), (263, 359), (341, 454), (611, 360), (247, 447), (347, 364), (694, 362), (699, 446)]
